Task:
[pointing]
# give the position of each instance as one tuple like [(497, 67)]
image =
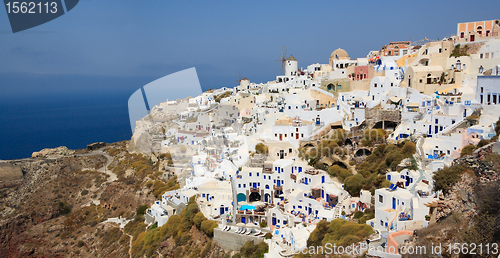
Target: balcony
[(267, 170), (278, 188), (238, 177), (254, 189)]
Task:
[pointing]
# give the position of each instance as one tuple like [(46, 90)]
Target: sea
[(48, 111)]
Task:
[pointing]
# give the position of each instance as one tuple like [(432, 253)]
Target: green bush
[(263, 224), (467, 150), (208, 226), (254, 251), (482, 143), (198, 219), (445, 178), (142, 209)]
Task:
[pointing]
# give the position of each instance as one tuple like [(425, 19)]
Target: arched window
[(267, 186)]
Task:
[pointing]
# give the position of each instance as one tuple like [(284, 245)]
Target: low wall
[(232, 241)]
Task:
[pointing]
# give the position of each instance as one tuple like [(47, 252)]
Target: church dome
[(339, 53)]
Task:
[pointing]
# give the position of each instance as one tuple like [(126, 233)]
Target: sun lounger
[(258, 233), (249, 232), (244, 231), (228, 228)]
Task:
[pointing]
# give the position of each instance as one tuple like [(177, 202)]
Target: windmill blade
[(239, 77), (283, 59)]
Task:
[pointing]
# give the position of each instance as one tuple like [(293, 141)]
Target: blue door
[(243, 220), (322, 193), (436, 129), (266, 198), (310, 210), (221, 210), (254, 185), (393, 203), (278, 183), (407, 180), (274, 221), (322, 179), (207, 198)]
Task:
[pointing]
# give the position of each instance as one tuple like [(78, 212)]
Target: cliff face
[(62, 203), (468, 211), (56, 210)]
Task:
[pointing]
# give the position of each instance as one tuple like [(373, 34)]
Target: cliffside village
[(238, 150)]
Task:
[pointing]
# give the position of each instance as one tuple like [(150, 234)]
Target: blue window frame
[(249, 174), (257, 173), (239, 186)]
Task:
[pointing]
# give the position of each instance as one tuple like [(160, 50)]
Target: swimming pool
[(247, 207)]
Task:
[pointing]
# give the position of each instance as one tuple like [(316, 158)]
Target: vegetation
[(459, 51), (467, 150), (261, 148), (159, 187), (445, 178), (339, 232), (64, 208), (251, 250), (142, 209), (177, 227), (371, 172), (373, 136), (219, 97)]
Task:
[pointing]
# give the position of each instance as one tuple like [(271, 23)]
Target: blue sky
[(220, 38)]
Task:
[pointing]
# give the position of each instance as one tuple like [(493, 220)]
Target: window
[(440, 50), (381, 199), (339, 87), (375, 85), (290, 150), (244, 185), (257, 174), (267, 186), (249, 174), (462, 35), (239, 186), (264, 176)]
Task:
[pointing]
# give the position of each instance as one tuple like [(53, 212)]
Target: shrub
[(208, 226), (263, 224), (482, 143), (408, 148), (142, 209), (445, 178), (467, 150), (254, 251), (64, 208), (261, 148), (358, 214), (198, 219)]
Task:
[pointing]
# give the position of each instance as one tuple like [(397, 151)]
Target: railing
[(267, 170), (254, 189), (278, 188)]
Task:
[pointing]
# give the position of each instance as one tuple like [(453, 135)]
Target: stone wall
[(232, 241)]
